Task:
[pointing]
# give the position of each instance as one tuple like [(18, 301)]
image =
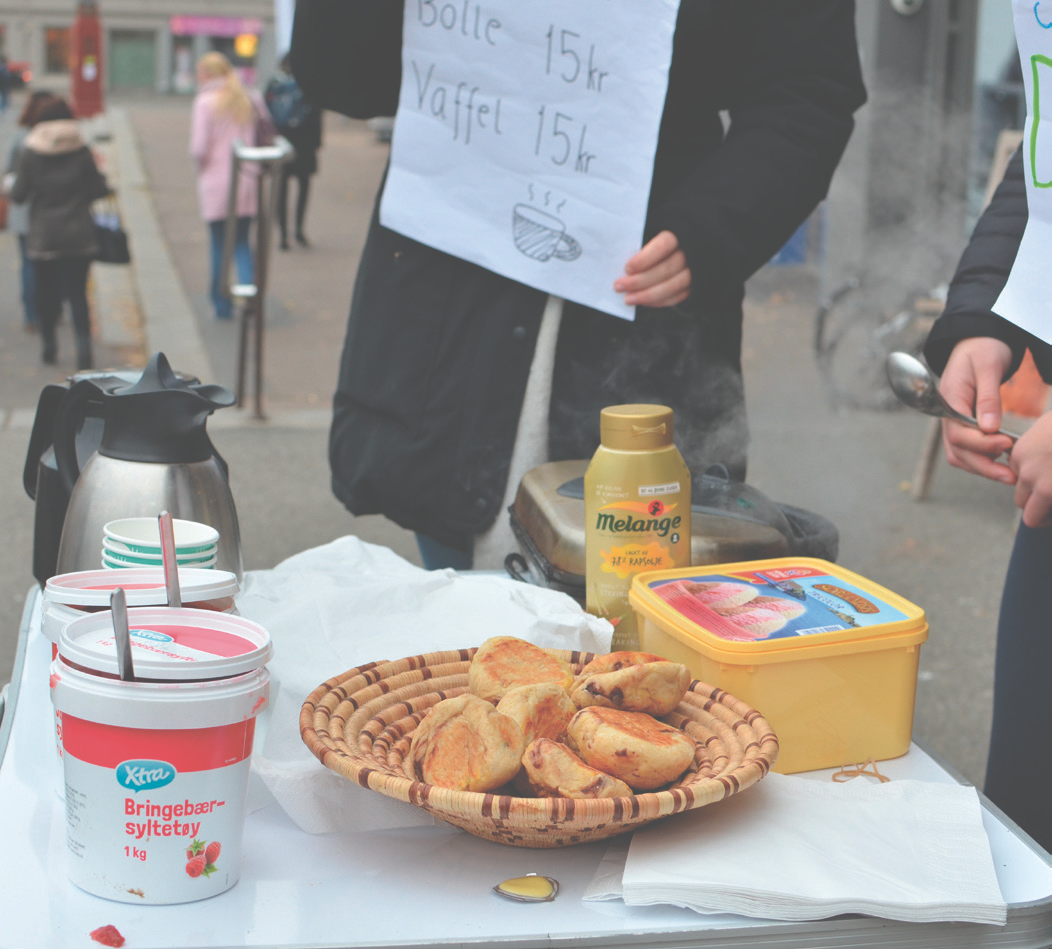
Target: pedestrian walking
[(224, 112), (299, 121), (58, 177), (18, 214)]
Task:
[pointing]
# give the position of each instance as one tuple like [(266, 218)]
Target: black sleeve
[(789, 77), (980, 277), (347, 54)]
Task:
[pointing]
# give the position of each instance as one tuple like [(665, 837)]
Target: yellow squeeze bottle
[(637, 511)]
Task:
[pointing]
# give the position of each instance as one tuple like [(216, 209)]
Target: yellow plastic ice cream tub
[(828, 657)]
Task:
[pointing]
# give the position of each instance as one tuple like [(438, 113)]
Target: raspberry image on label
[(202, 857)]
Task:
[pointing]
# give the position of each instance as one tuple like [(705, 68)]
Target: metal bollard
[(249, 298)]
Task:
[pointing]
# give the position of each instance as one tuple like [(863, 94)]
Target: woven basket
[(360, 724)]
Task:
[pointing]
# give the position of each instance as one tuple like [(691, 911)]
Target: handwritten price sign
[(525, 136), (1024, 300)]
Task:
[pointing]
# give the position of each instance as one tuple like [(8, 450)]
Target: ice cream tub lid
[(143, 586), (168, 644), (776, 605)]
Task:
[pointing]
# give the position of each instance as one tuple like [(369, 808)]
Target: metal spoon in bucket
[(916, 386), (119, 613), (171, 564)]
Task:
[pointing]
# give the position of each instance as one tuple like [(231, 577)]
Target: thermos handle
[(40, 439), (68, 419)]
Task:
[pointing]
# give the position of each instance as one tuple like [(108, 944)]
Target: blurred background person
[(18, 214), (975, 350), (299, 121), (225, 112), (58, 178)]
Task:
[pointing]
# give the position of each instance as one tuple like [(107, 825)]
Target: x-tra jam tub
[(156, 769)]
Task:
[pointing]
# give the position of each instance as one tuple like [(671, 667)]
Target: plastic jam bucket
[(70, 596), (156, 769), (828, 657)]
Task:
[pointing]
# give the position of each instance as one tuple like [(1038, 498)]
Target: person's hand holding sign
[(657, 276)]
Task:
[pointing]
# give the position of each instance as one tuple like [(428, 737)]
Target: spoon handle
[(119, 614)]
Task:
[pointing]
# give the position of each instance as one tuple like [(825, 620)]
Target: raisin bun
[(634, 681), (553, 770), (505, 662), (632, 746), (542, 710), (465, 744)]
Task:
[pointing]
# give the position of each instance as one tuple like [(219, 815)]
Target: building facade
[(147, 45)]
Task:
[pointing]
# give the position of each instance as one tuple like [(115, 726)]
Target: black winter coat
[(438, 350), (981, 276)]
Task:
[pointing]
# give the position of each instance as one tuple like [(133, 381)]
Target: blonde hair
[(232, 99)]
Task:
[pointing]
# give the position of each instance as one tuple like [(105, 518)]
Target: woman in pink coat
[(224, 112)]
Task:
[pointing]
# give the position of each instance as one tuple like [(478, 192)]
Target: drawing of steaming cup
[(541, 235)]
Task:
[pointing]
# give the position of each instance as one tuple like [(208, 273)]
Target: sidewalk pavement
[(947, 554)]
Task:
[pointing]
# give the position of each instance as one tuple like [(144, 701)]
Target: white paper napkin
[(334, 607), (795, 849)]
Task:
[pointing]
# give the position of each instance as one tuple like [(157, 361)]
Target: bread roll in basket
[(360, 725)]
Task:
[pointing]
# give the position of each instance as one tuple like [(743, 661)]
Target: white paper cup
[(143, 534)]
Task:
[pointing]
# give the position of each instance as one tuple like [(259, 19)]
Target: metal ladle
[(917, 386)]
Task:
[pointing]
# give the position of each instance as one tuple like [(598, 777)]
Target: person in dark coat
[(57, 175), (438, 350), (975, 351), (301, 125)]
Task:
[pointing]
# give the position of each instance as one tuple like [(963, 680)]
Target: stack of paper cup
[(136, 542)]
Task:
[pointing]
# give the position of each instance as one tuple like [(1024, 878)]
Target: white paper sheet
[(526, 133), (793, 848), (331, 608), (1025, 300)]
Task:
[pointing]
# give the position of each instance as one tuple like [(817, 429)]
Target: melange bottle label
[(637, 512)]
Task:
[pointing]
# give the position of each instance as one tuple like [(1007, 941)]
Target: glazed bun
[(632, 746), (465, 744), (553, 770), (654, 687), (505, 662), (542, 710)]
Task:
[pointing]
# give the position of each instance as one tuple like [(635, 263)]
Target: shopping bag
[(109, 234)]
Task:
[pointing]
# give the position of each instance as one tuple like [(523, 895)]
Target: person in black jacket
[(299, 121), (58, 178), (439, 351), (975, 350)]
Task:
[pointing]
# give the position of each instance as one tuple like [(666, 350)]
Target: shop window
[(56, 49)]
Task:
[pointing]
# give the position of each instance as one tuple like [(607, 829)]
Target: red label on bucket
[(190, 749), (211, 642)]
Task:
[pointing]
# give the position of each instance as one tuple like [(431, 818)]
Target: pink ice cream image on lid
[(790, 609), (755, 623), (720, 595)]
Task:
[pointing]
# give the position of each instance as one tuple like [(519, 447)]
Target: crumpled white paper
[(335, 607), (797, 849)]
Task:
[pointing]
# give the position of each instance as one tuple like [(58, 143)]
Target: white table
[(421, 886)]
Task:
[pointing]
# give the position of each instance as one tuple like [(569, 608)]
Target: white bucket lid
[(158, 705), (169, 644), (143, 586)]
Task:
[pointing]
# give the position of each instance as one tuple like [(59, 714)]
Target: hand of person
[(971, 383), (1031, 462), (657, 276)]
